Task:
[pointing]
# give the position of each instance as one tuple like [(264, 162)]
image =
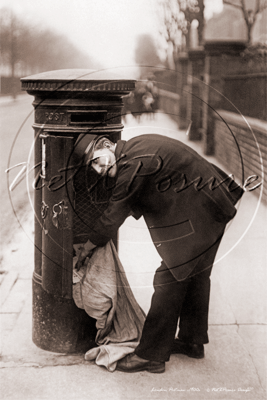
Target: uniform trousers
[(186, 301)]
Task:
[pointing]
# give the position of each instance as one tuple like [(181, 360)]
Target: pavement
[(5, 99), (234, 366)]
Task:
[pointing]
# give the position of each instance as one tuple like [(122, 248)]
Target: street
[(234, 366), (16, 139)]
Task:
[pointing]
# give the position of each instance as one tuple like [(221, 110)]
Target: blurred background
[(38, 36), (44, 35), (153, 41)]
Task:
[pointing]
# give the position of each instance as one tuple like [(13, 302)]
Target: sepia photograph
[(133, 251)]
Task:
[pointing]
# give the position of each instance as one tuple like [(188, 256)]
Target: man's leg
[(157, 341), (193, 324), (161, 322)]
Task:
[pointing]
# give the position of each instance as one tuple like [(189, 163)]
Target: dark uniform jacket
[(185, 200)]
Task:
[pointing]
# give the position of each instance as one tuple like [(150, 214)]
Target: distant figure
[(152, 91), (148, 101)]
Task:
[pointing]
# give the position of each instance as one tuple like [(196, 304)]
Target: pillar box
[(70, 108)]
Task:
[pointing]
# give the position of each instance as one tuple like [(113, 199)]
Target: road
[(16, 118)]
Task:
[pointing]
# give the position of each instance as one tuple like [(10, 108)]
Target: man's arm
[(122, 202), (120, 207), (85, 250)]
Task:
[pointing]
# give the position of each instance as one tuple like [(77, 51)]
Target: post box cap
[(81, 80)]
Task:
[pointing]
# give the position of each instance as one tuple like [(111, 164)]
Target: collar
[(119, 148)]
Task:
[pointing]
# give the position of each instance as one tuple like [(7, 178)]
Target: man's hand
[(85, 250)]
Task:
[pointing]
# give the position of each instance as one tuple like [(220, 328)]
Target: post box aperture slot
[(87, 117)]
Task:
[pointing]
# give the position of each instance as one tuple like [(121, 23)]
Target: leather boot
[(189, 349), (133, 363)]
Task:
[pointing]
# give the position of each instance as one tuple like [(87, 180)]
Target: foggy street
[(16, 139)]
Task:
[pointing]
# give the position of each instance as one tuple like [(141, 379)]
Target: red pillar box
[(71, 107)]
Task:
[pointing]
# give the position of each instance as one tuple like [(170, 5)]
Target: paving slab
[(16, 258), (254, 337), (17, 296), (225, 373), (6, 285)]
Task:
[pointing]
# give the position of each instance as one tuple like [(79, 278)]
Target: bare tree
[(177, 16), (27, 49), (10, 32), (193, 10), (250, 16), (174, 26)]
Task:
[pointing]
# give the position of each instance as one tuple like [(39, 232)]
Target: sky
[(106, 30)]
